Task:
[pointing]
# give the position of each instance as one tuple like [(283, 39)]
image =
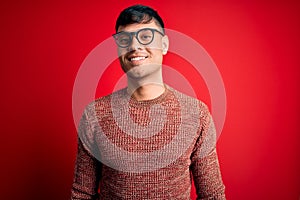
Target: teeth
[(137, 58)]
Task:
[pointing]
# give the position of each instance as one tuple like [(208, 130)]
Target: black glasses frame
[(131, 34)]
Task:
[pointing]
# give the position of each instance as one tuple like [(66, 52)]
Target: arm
[(86, 176), (205, 165), (207, 178), (87, 167)]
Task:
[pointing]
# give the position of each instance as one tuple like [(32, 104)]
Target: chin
[(133, 73)]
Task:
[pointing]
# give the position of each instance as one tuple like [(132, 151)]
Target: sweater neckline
[(148, 102)]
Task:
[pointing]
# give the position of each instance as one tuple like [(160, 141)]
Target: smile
[(137, 58)]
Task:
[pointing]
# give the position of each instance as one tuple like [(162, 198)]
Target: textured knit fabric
[(126, 149)]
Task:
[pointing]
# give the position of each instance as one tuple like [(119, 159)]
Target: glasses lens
[(145, 36), (123, 39)]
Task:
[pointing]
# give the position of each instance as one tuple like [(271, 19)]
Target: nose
[(135, 45)]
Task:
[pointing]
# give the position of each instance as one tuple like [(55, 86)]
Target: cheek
[(154, 51), (121, 52), (155, 45)]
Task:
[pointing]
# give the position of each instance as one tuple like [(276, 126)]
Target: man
[(146, 141)]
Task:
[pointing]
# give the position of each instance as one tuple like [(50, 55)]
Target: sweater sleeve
[(205, 165), (87, 167)]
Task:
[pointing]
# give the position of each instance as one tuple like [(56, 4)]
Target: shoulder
[(191, 102), (103, 104), (192, 109), (119, 94)]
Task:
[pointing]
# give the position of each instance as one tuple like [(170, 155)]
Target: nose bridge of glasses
[(134, 38)]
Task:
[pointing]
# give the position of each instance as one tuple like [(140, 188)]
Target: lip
[(137, 59)]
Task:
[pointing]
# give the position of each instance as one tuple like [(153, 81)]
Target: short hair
[(138, 14)]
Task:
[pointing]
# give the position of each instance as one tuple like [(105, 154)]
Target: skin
[(144, 77)]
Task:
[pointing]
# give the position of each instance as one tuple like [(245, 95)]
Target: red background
[(254, 44)]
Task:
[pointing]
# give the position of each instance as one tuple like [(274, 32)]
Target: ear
[(165, 44)]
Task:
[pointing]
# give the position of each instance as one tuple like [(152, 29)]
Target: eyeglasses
[(144, 36)]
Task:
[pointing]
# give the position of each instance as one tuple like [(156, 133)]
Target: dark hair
[(138, 14)]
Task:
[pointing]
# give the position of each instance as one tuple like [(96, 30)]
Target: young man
[(146, 141)]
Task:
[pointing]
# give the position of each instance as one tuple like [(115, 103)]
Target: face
[(138, 60)]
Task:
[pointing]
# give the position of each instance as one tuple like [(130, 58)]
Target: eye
[(123, 39), (145, 36)]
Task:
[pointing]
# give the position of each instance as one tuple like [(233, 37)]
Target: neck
[(145, 90)]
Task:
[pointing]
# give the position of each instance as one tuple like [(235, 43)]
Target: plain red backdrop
[(254, 44)]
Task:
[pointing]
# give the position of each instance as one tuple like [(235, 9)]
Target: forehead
[(134, 27)]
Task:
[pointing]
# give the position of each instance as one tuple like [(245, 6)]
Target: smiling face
[(138, 60)]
